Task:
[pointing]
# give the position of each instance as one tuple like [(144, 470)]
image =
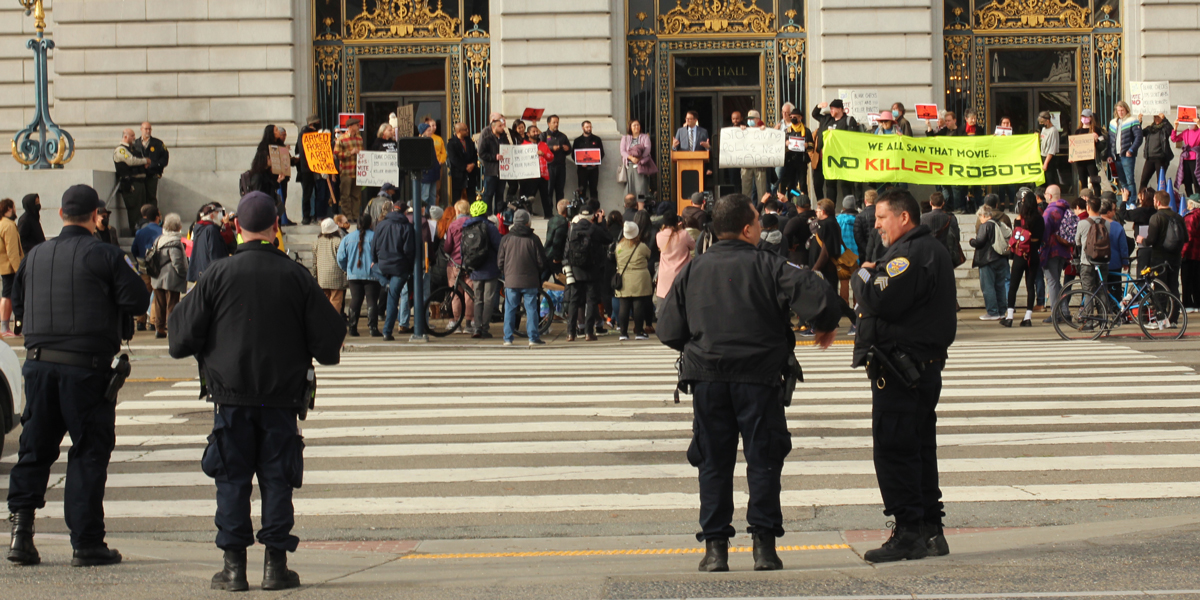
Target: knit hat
[(521, 217), (479, 208), (837, 103), (850, 202), (631, 230), (329, 226), (435, 213)]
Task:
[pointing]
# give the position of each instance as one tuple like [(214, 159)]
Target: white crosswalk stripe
[(580, 428)]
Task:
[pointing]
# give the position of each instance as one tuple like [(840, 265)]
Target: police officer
[(255, 322), (906, 323), (131, 177), (734, 368), (74, 295)]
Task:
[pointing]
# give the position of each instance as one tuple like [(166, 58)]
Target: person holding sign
[(1085, 168), (832, 115), (795, 162), (948, 126), (1189, 140), (1124, 139), (490, 153), (304, 174), (589, 175), (1156, 139), (347, 149)]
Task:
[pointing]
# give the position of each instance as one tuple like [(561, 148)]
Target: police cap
[(80, 200)]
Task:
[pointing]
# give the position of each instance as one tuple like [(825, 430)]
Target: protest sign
[(1185, 114), (588, 157), (1149, 98), (942, 160), (344, 118), (520, 162), (1056, 119), (752, 147), (927, 112), (1081, 148), (1003, 130), (859, 103), (533, 114), (281, 161), (318, 151), (377, 168), (405, 121)]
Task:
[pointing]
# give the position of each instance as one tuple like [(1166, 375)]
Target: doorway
[(716, 86)]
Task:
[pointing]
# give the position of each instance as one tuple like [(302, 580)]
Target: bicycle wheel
[(545, 312), (1080, 315), (1161, 316), (440, 308)]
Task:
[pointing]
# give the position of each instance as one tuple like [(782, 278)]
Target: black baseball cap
[(80, 200), (256, 212)]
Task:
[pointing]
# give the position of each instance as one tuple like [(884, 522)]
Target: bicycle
[(442, 301), (1081, 314)]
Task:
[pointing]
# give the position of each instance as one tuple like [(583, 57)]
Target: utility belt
[(895, 365), (789, 377), (119, 365), (310, 392)]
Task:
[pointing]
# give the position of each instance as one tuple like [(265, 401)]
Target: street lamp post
[(40, 152)]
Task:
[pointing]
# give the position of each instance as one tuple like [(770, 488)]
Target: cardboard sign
[(405, 121), (343, 118), (318, 151), (859, 103), (927, 112), (1003, 130), (1082, 147), (377, 168), (1149, 98), (281, 161), (1185, 114), (521, 162), (752, 147), (533, 114), (588, 157)]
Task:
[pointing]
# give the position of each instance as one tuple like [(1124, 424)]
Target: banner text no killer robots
[(964, 160)]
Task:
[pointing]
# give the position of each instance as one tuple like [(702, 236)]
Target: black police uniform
[(906, 306), (734, 368), (71, 293), (255, 322)]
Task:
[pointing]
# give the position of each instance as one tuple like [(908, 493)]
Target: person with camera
[(906, 324), (583, 267), (255, 322), (75, 296), (735, 369)]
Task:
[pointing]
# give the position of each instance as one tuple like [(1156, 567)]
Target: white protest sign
[(859, 103), (377, 168), (1149, 97), (520, 162), (752, 147), (1003, 130)]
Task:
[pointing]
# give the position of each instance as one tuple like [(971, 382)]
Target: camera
[(576, 204), (568, 273)]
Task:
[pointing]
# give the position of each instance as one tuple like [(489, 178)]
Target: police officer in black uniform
[(75, 296), (734, 367), (255, 322), (906, 324)]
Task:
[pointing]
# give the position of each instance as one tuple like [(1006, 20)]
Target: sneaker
[(507, 342), (537, 343), (641, 336), (986, 317), (807, 333), (1191, 310), (853, 330), (623, 338), (8, 334)]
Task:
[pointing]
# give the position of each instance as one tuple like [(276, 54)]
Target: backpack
[(1069, 226), (1019, 244), (579, 245), (1000, 239), (153, 267), (475, 245), (245, 183), (1097, 246), (705, 240), (1175, 235)]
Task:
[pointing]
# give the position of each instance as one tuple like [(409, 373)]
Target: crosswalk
[(572, 429)]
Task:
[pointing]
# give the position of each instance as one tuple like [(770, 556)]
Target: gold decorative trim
[(702, 17), (792, 52), (958, 24), (475, 31), (791, 26), (639, 59), (1108, 49), (394, 19), (328, 59), (1031, 14), (329, 35), (958, 63)]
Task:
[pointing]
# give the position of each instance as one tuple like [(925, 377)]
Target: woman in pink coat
[(1187, 167), (675, 250)]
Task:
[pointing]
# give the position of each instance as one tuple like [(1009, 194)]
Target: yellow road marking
[(160, 380), (835, 343), (638, 552)]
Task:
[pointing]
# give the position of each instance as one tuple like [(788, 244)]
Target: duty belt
[(70, 359)]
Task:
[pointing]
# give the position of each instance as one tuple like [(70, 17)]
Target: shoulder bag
[(618, 280)]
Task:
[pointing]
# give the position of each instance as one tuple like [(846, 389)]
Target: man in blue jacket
[(394, 252), (486, 278)]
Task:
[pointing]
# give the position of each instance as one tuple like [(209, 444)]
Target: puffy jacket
[(1191, 248), (1156, 139), (1124, 136), (395, 247), (348, 255), (521, 258)]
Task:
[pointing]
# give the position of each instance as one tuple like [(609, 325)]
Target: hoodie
[(772, 241), (29, 226)]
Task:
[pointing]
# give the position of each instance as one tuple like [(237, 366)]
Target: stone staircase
[(300, 239)]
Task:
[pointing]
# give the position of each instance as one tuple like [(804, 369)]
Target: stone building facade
[(210, 73)]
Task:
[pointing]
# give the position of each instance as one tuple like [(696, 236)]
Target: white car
[(12, 399)]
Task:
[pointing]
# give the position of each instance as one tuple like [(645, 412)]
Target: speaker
[(415, 153)]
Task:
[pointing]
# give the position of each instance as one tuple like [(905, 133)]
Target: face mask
[(895, 114), (750, 122), (795, 120), (1086, 120)]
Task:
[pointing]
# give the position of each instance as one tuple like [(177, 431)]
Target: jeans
[(429, 194), (406, 309), (1126, 165), (513, 299), (1052, 269), (491, 186), (486, 294), (992, 278), (395, 287)]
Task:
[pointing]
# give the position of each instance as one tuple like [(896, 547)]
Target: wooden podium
[(689, 176)]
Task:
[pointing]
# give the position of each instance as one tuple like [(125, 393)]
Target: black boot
[(276, 575), (96, 556), (716, 556), (935, 539), (906, 543), (374, 329), (353, 331), (233, 577), (765, 557), (21, 550)]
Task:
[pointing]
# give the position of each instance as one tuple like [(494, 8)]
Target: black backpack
[(245, 183), (1175, 236), (153, 267), (475, 245), (579, 245)]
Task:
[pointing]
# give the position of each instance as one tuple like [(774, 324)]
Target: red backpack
[(1018, 242)]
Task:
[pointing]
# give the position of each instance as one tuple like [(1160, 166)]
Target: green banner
[(960, 160)]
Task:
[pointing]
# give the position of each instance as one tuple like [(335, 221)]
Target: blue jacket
[(846, 222), (395, 247), (144, 239), (207, 247), (1124, 136), (1118, 246), (348, 257), (491, 270)]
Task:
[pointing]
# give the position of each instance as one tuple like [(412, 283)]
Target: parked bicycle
[(446, 306), (1089, 315)]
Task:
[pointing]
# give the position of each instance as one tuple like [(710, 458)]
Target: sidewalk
[(540, 568)]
